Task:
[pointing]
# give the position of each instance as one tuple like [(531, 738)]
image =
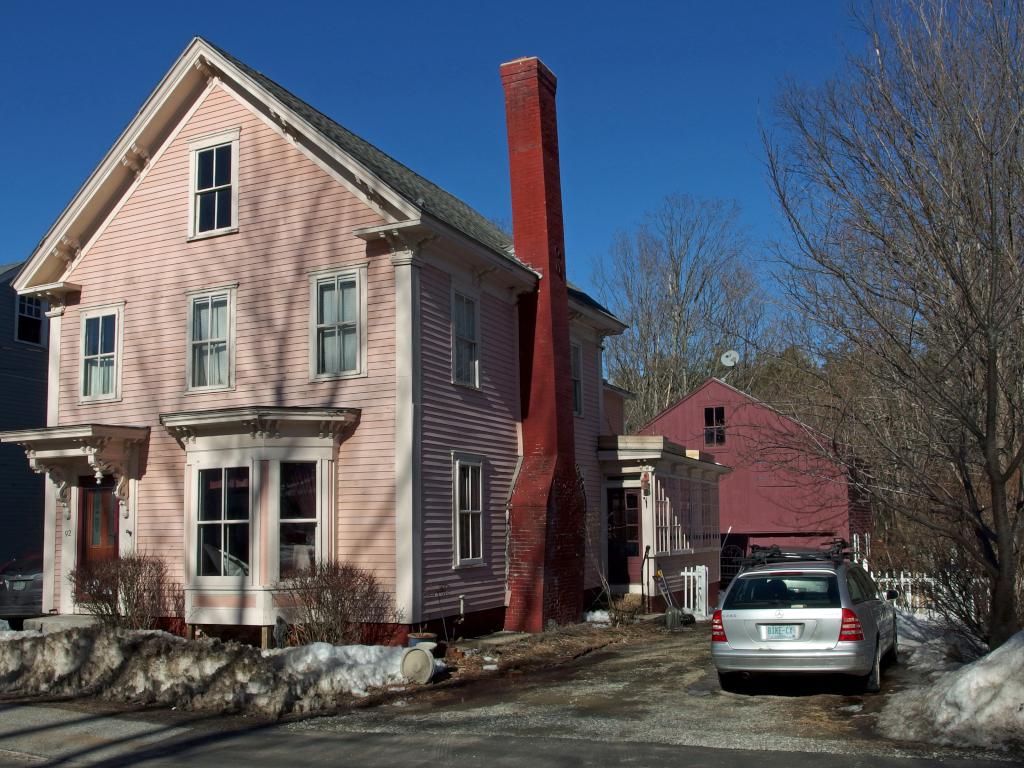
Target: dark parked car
[(21, 587)]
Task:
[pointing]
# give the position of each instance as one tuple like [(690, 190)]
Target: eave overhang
[(605, 324), (412, 234)]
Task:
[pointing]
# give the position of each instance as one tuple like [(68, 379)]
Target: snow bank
[(597, 617), (977, 704), (158, 668)]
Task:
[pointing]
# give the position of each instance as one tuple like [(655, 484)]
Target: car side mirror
[(892, 594)]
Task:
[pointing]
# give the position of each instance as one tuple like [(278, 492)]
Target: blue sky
[(654, 97)]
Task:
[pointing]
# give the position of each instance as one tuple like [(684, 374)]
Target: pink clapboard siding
[(613, 417), (475, 421), (586, 428), (294, 218)]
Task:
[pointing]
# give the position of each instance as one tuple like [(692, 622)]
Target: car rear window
[(775, 590)]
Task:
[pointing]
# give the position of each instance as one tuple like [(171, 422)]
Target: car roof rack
[(837, 552)]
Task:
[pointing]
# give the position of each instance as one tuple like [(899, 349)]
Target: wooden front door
[(97, 516), (624, 560)]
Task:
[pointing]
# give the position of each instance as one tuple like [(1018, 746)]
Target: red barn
[(781, 491)]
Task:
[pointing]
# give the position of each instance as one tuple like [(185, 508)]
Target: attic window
[(714, 425), (214, 200)]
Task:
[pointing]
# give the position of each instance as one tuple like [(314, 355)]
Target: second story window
[(30, 328), (714, 425), (101, 350), (338, 324), (465, 351), (214, 185), (576, 360), (211, 340)]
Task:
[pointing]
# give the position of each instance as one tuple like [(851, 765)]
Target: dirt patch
[(547, 650)]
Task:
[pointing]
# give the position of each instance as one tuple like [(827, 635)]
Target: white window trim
[(232, 293), (473, 296), (195, 147), (116, 309), (471, 460), (576, 353), (255, 481), (358, 271), (44, 331)]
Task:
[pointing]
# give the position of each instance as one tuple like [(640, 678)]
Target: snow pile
[(597, 617), (977, 704), (929, 645), (158, 668)]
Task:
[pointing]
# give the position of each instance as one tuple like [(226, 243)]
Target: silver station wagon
[(801, 612)]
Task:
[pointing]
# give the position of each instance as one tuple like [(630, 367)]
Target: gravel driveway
[(661, 688)]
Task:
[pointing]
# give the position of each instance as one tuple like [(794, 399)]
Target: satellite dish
[(730, 358)]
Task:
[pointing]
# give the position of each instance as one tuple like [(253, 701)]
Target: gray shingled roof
[(417, 190), (423, 194)]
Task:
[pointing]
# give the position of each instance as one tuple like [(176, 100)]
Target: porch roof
[(622, 450), (72, 440)]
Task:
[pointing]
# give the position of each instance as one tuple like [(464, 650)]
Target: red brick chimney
[(546, 552)]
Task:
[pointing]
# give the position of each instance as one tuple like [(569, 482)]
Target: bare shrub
[(340, 604), (130, 592)]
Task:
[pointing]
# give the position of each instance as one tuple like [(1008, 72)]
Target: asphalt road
[(649, 704)]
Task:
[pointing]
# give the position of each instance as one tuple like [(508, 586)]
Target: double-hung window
[(465, 341), (223, 522), (468, 511), (338, 324), (576, 361), (101, 352), (30, 325), (211, 339), (214, 184)]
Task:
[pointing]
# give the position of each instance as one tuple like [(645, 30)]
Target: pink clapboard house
[(272, 344)]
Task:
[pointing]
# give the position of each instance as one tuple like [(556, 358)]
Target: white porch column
[(408, 518), (50, 507), (648, 532)]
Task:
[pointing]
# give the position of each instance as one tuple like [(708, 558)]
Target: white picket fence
[(916, 590), (695, 591)]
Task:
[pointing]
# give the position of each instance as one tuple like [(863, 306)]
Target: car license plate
[(780, 632), (18, 585)]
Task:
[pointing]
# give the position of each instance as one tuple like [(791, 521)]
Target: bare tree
[(681, 282), (902, 182)]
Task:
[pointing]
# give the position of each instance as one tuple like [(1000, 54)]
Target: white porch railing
[(695, 591)]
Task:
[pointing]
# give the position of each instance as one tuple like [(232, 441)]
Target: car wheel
[(730, 682), (873, 679)]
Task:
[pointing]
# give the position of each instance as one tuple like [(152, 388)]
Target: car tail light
[(851, 628), (718, 629)]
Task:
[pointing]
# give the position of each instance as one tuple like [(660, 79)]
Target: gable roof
[(418, 196)]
